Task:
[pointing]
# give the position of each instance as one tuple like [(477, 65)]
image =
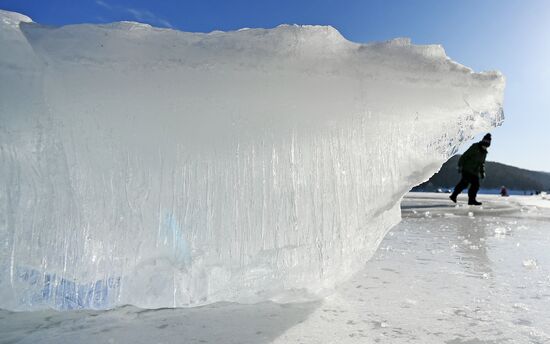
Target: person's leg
[(473, 189), (462, 184)]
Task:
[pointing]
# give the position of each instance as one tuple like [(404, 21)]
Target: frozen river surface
[(446, 274)]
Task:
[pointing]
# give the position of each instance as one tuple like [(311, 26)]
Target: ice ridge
[(162, 168)]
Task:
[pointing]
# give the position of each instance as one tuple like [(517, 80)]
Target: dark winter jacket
[(473, 160)]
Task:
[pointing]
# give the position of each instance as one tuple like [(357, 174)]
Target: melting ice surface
[(161, 168)]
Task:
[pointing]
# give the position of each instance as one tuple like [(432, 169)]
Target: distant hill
[(497, 175)]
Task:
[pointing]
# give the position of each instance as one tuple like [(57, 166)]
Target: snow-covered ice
[(425, 284), (161, 168)]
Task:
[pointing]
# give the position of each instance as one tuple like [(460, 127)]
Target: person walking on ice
[(472, 167)]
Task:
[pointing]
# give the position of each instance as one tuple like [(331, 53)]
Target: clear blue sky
[(512, 36)]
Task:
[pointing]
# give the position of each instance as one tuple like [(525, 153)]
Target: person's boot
[(474, 202), (453, 197)]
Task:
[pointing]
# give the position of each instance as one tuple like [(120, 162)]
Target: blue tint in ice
[(57, 292)]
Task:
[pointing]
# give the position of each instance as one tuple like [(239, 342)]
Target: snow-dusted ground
[(446, 274)]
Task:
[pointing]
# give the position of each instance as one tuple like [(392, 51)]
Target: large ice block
[(162, 168)]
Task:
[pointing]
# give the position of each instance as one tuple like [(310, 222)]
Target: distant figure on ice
[(472, 167), (504, 191)]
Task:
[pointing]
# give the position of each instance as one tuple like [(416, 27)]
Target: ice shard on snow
[(162, 168)]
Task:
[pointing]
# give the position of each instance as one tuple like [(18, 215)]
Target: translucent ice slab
[(162, 168)]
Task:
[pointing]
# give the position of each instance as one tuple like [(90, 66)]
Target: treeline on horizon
[(498, 175)]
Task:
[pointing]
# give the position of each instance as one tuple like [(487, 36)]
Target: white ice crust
[(162, 168)]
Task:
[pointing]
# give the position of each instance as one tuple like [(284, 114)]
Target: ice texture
[(162, 168)]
